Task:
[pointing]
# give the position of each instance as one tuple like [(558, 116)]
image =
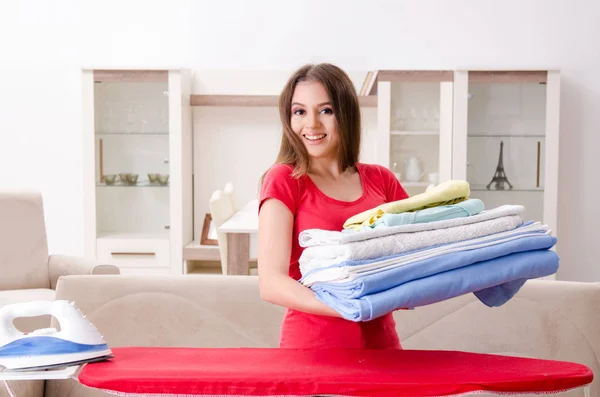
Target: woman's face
[(313, 120)]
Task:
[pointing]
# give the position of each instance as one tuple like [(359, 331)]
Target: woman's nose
[(312, 120)]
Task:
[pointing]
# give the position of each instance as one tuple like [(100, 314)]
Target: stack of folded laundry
[(425, 249)]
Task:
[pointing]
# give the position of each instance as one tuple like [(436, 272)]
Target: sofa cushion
[(188, 310), (24, 248), (28, 324)]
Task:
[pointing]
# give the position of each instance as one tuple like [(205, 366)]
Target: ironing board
[(161, 372)]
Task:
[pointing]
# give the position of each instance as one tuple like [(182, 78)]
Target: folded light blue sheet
[(463, 209), (493, 281), (393, 276)]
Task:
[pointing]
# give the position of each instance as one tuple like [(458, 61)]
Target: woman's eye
[(327, 111), (299, 112)]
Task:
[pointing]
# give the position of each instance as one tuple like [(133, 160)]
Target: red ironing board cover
[(289, 372)]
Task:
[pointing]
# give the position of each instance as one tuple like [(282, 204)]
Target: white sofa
[(546, 319)]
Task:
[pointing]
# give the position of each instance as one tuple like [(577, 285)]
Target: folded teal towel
[(460, 210)]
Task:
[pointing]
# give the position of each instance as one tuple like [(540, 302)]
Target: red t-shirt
[(313, 209)]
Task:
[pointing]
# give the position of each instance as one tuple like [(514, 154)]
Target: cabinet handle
[(100, 160), (539, 150), (133, 253)]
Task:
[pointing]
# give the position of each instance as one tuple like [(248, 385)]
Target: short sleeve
[(279, 184), (393, 189)]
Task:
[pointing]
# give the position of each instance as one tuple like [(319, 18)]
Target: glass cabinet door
[(419, 131), (506, 144), (506, 139), (131, 121)]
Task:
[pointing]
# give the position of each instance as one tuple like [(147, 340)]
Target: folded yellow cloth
[(446, 193)]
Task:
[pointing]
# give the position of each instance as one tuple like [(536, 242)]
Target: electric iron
[(77, 342)]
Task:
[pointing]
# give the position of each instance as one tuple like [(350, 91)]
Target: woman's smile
[(313, 138)]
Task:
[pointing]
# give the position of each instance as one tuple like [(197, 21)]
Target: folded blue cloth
[(506, 273), (500, 294), (394, 276), (463, 209), (438, 213)]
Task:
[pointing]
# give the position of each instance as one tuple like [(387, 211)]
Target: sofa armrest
[(61, 265)]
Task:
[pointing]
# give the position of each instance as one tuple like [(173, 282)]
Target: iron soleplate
[(64, 365)]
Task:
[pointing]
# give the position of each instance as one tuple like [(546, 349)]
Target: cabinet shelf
[(482, 188), (200, 252), (506, 136), (131, 133), (396, 133), (134, 236), (139, 184), (257, 100)]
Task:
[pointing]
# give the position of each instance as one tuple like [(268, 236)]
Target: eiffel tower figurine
[(499, 176)]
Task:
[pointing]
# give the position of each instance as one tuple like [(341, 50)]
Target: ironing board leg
[(11, 393), (586, 391)]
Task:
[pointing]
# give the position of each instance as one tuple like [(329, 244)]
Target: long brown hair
[(346, 109)]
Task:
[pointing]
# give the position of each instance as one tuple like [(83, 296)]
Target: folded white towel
[(317, 257), (316, 237), (340, 274)]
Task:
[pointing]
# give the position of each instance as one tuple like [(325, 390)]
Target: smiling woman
[(315, 123), (317, 182), (319, 100)]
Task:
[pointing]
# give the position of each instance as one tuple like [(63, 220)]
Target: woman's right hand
[(275, 235)]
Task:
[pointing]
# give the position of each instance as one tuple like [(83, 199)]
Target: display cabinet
[(137, 151), (499, 130)]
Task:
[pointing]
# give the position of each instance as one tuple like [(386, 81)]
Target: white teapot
[(413, 170)]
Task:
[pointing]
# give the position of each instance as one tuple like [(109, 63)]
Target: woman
[(317, 182)]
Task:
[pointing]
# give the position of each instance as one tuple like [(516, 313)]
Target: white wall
[(44, 44), (238, 144)]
